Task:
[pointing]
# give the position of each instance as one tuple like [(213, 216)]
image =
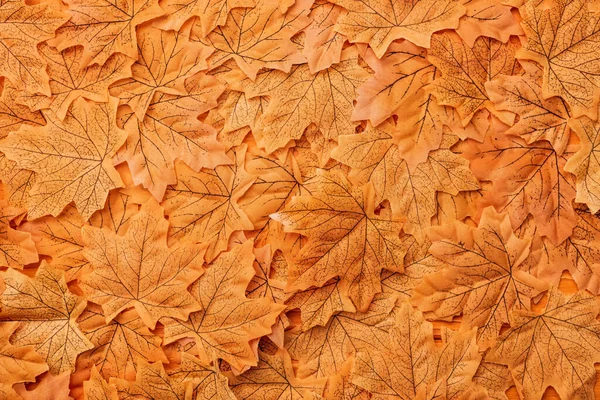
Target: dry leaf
[(211, 13), (562, 37), (323, 45), (104, 27), (151, 382), (373, 157), (76, 164), (203, 206), (259, 37), (46, 312), (166, 59), (466, 70), (346, 238), (23, 27), (227, 320), (69, 79), (139, 269), (379, 22), (17, 363), (273, 378), (585, 164), (294, 105), (528, 179), (322, 350), (481, 276), (170, 130), (565, 336), (412, 367)]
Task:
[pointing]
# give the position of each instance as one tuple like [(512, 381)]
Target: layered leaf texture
[(299, 199)]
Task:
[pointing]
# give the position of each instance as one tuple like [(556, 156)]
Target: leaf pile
[(299, 199)]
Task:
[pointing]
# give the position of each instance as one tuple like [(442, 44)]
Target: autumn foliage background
[(299, 199)]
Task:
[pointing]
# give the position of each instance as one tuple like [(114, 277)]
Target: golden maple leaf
[(22, 27), (379, 22), (227, 320), (166, 59), (259, 37), (76, 165), (273, 377), (46, 312), (374, 157), (411, 367), (104, 27), (70, 80), (140, 270), (569, 332), (170, 130), (465, 71), (203, 206), (481, 275), (293, 105), (346, 238), (562, 38)]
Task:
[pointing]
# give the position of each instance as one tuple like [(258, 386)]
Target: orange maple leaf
[(140, 270)]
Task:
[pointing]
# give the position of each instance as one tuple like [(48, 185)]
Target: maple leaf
[(207, 382), (487, 18), (346, 238), (539, 118), (322, 350), (379, 23), (22, 27), (277, 181), (273, 377), (341, 387), (17, 363), (294, 104), (465, 71), (481, 277), (47, 314), (562, 38), (70, 80), (374, 157), (12, 115), (104, 27), (227, 320), (319, 304), (397, 88), (120, 344), (203, 206), (412, 367), (96, 388), (262, 285), (49, 387), (140, 270), (566, 335), (16, 248), (259, 37), (585, 164), (527, 179), (418, 263), (579, 253), (211, 13), (240, 111), (323, 45), (170, 130), (60, 238), (151, 382), (494, 378), (166, 59), (121, 206), (76, 165)]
